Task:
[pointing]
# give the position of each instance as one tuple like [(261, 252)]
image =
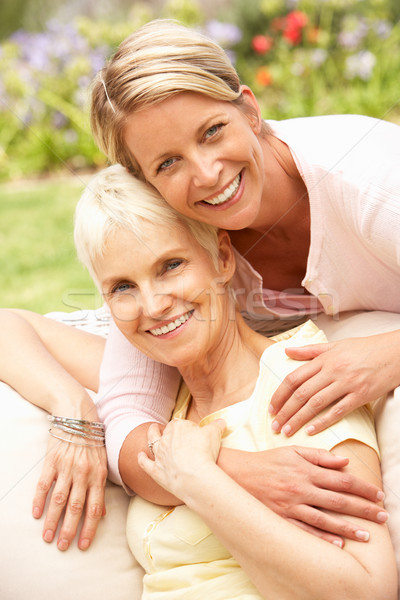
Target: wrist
[(191, 487), (78, 405)]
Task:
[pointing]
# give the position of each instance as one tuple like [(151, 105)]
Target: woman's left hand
[(345, 374), (172, 468)]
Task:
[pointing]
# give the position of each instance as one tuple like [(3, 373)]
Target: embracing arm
[(260, 540), (344, 375), (49, 364), (294, 482)]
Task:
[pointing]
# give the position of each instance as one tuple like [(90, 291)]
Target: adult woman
[(169, 106), (166, 280)]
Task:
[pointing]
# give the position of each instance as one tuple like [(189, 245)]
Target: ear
[(252, 109), (226, 257)]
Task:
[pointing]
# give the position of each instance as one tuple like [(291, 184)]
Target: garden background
[(300, 57)]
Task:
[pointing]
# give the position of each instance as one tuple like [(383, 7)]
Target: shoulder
[(339, 125), (353, 147)]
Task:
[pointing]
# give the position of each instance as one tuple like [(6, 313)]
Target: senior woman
[(166, 280), (312, 207)]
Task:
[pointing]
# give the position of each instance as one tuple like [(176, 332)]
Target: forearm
[(282, 560), (31, 369)]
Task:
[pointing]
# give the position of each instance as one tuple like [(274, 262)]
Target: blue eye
[(214, 130), (173, 265), (167, 163), (120, 288)]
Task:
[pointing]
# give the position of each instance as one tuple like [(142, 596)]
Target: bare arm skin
[(50, 364)]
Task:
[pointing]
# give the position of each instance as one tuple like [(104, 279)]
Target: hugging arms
[(173, 302)]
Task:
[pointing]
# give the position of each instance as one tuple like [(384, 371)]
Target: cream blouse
[(181, 556)]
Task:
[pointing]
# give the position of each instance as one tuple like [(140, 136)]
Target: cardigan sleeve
[(133, 390)]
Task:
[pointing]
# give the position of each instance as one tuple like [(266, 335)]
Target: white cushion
[(29, 567)]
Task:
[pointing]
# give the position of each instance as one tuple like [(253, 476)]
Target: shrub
[(300, 58)]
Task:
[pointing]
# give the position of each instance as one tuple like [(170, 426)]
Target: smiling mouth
[(171, 326), (226, 195)]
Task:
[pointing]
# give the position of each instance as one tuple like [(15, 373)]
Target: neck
[(285, 200), (228, 373)]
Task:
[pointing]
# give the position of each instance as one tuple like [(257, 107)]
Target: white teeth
[(171, 326), (227, 194)]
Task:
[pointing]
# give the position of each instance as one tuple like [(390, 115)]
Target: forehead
[(171, 121)]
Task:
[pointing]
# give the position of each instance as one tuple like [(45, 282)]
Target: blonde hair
[(114, 199), (161, 59)]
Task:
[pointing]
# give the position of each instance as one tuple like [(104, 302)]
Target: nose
[(156, 303), (206, 170)]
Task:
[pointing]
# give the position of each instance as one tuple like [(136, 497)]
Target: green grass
[(39, 269)]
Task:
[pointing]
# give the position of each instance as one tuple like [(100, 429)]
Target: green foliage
[(335, 56), (300, 57), (40, 270)]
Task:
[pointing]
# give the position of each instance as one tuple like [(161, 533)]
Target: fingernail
[(286, 429), (271, 409), (310, 429), (380, 496), (84, 544), (36, 512), (62, 544), (382, 516), (275, 426), (362, 535), (48, 535), (338, 543)]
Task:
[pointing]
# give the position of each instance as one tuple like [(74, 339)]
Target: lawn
[(39, 269)]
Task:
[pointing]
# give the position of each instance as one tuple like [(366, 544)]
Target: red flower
[(297, 19), (292, 35), (294, 24), (262, 44), (263, 76)]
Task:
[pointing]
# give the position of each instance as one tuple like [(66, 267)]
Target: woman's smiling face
[(203, 156), (165, 293)]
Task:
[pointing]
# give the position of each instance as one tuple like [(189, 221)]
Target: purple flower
[(226, 34), (353, 33), (98, 58), (382, 29), (318, 56), (59, 120), (360, 65)]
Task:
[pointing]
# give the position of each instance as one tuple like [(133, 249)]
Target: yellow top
[(181, 556)]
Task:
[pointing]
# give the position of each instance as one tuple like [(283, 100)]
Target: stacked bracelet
[(88, 430)]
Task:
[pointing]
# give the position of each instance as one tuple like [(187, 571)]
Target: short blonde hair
[(115, 199), (160, 59)]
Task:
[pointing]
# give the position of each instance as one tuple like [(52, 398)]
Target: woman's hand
[(79, 475), (300, 484), (171, 468), (345, 374)]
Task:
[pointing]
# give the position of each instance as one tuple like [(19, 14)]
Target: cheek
[(125, 311)]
